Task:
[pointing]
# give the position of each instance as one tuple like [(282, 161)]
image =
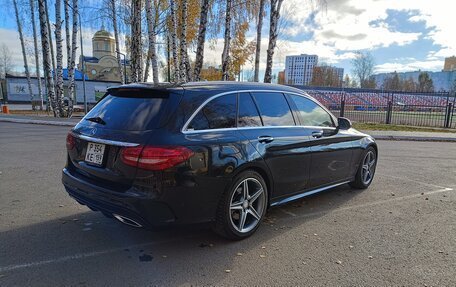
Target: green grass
[(413, 114), (385, 127)]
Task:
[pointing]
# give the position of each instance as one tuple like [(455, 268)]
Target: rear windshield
[(127, 113)]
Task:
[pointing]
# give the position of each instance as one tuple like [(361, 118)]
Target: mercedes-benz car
[(210, 152)]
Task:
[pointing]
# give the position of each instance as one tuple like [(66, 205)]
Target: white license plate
[(94, 154)]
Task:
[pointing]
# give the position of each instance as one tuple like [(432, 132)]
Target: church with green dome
[(103, 65)]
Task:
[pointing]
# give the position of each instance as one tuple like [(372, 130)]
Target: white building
[(443, 81), (340, 73), (299, 69)]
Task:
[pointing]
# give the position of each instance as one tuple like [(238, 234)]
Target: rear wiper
[(97, 120)]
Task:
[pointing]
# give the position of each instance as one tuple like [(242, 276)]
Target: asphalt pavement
[(400, 231), (444, 136)]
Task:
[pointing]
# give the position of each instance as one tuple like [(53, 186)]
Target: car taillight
[(155, 158), (70, 141)]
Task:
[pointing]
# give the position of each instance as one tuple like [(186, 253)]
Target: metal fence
[(399, 108)]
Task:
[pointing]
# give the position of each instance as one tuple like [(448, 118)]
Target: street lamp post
[(82, 66), (124, 66), (168, 58), (82, 61)]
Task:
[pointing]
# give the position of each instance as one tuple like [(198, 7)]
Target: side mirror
[(344, 123)]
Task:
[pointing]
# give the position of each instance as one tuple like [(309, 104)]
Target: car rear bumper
[(131, 205)]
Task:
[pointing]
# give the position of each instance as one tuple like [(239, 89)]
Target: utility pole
[(124, 66)]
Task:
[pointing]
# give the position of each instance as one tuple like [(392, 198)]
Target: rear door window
[(220, 113), (248, 112), (274, 109), (127, 113)]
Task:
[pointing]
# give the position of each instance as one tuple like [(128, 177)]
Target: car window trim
[(252, 98), (187, 123), (238, 108), (263, 127), (294, 109)]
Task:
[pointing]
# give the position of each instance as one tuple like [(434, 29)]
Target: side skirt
[(307, 193)]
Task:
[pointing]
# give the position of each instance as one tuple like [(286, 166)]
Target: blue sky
[(403, 35)]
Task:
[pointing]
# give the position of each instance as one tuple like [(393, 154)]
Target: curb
[(411, 138), (37, 122)]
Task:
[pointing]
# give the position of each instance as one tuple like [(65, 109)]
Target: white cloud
[(346, 24), (427, 65), (336, 30), (437, 15), (327, 54), (10, 38)]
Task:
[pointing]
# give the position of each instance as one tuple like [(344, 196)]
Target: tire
[(238, 218), (362, 181)]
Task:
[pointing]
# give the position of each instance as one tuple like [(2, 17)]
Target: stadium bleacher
[(372, 99)]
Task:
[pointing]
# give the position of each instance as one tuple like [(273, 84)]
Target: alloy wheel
[(368, 167), (247, 205)]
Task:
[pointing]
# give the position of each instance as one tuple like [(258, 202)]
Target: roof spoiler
[(141, 90)]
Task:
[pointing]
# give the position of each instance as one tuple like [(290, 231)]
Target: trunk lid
[(120, 119)]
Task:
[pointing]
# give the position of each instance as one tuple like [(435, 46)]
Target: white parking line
[(413, 180), (83, 255), (288, 212), (400, 198), (113, 250)]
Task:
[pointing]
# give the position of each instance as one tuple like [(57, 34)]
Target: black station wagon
[(217, 152)]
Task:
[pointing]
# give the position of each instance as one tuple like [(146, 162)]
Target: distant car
[(218, 152), (78, 108)]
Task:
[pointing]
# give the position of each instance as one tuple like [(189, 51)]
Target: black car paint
[(294, 163)]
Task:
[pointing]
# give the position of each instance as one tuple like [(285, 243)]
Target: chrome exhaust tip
[(127, 221)]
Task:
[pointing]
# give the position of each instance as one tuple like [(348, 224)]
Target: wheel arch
[(261, 170), (368, 142), (374, 145)]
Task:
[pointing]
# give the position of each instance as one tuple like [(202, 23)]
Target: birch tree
[(44, 30), (59, 62), (174, 40), (37, 57), (71, 68), (258, 40), (135, 48), (66, 8), (152, 52), (158, 9), (227, 42), (21, 38), (273, 24), (201, 40), (50, 36), (184, 62), (112, 4)]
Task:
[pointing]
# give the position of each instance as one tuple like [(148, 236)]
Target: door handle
[(317, 134), (265, 139)]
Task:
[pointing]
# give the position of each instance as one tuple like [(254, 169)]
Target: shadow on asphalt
[(91, 235)]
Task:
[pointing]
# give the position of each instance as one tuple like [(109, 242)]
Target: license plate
[(94, 154)]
